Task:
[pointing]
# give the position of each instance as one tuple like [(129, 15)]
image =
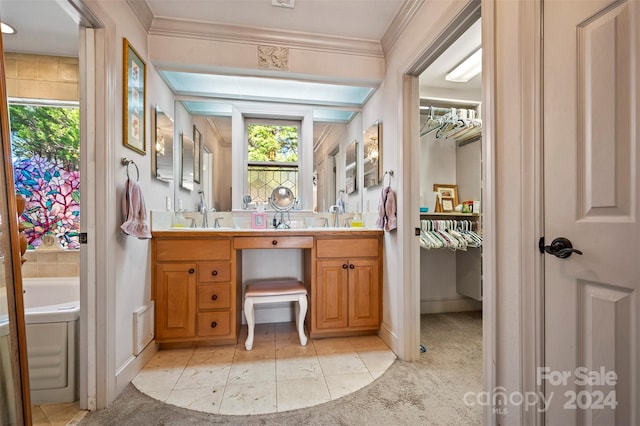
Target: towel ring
[(126, 162), (387, 173)]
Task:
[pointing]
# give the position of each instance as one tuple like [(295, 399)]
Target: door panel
[(591, 101), (364, 297), (331, 306)]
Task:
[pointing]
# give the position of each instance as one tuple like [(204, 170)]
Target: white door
[(591, 192)]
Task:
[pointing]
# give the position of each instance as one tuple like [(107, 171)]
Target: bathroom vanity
[(197, 281)]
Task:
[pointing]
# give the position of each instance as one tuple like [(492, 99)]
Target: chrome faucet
[(203, 210), (336, 210), (216, 222)]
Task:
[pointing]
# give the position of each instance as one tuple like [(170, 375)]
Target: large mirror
[(351, 168), (332, 133), (162, 148), (187, 153), (372, 155)]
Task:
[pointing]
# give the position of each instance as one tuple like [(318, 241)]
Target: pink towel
[(387, 218), (134, 212)]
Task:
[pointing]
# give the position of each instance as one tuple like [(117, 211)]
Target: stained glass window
[(45, 142)]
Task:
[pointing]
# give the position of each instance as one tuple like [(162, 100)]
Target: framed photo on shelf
[(197, 150), (448, 205), (447, 196), (134, 99)]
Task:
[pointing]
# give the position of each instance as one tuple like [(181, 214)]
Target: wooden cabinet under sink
[(197, 282), (194, 287), (346, 296)]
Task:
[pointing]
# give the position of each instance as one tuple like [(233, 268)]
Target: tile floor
[(57, 414), (277, 375)]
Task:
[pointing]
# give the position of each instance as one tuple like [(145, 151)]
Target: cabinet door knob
[(344, 266), (351, 266), (214, 324), (274, 242), (214, 273), (192, 270), (214, 297)]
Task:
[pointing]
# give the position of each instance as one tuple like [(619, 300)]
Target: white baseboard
[(458, 304), (133, 365), (389, 338)]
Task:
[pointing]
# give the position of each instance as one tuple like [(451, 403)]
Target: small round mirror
[(282, 199)]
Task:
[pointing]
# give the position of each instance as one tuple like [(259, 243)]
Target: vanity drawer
[(213, 272), (214, 323), (347, 247), (272, 242), (193, 249), (215, 296)]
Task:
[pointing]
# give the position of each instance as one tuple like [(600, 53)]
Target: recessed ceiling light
[(7, 29), (466, 69)]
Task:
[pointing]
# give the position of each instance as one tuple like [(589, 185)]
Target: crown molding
[(216, 130), (217, 31), (403, 17), (143, 13)]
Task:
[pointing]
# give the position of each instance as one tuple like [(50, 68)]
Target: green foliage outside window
[(273, 143), (51, 133)]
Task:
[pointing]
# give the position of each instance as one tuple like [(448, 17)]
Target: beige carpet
[(426, 392)]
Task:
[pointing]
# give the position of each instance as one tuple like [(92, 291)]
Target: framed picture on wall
[(134, 99), (197, 157)]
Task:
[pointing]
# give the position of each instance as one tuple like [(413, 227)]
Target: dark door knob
[(192, 270), (214, 324), (214, 273), (352, 266), (274, 242), (344, 266), (214, 297), (560, 247)]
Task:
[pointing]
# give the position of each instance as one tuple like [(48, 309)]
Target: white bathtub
[(52, 310)]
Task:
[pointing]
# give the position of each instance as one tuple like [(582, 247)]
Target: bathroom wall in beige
[(51, 263), (41, 77)]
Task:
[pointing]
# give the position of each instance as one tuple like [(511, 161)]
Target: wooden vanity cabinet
[(196, 298), (346, 296)]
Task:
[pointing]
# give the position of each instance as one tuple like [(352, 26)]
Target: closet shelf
[(448, 214)]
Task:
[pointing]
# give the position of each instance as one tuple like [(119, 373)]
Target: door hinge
[(416, 232), (83, 238), (541, 245)]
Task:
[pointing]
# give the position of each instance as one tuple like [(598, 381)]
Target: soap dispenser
[(357, 221)]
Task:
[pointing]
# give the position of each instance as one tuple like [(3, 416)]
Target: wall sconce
[(159, 142), (372, 150)]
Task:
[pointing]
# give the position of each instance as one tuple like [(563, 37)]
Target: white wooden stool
[(272, 292)]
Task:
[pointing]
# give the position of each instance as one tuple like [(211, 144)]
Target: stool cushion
[(274, 288)]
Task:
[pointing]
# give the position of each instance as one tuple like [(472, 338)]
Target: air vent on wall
[(283, 3)]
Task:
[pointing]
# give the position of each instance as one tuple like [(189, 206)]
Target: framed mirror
[(187, 152), (351, 168), (162, 148), (372, 155)]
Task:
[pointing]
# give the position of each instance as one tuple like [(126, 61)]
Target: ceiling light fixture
[(466, 69), (7, 29), (283, 3)]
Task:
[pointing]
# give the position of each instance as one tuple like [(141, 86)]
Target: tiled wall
[(41, 77), (51, 263)]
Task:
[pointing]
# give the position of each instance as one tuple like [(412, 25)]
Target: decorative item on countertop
[(259, 218)]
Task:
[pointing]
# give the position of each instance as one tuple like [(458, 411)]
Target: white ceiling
[(364, 19)]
